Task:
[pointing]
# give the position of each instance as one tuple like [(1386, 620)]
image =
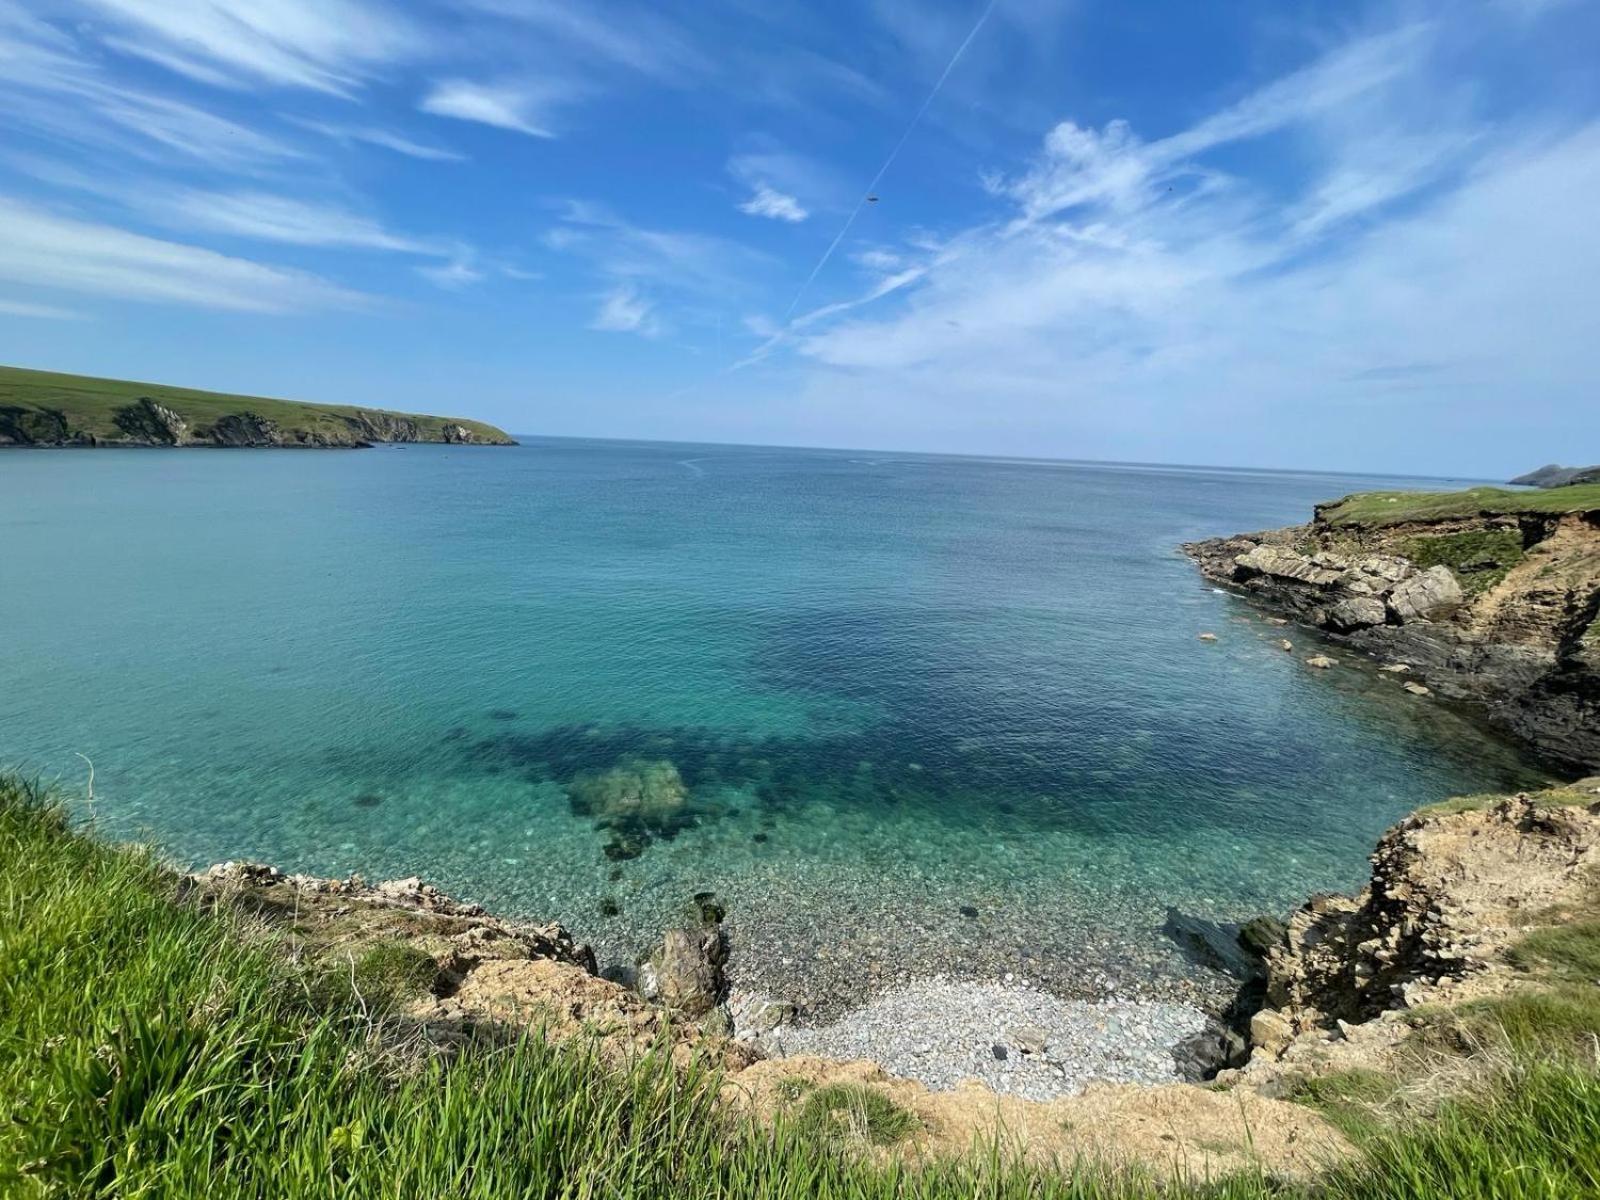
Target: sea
[(904, 715)]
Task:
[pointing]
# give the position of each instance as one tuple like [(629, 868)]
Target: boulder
[(1270, 1030), (685, 974), (1417, 689), (1357, 612), (1214, 1049), (1434, 593), (1321, 662)]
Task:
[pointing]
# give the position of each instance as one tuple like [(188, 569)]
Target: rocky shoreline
[(1499, 609), (1339, 987)]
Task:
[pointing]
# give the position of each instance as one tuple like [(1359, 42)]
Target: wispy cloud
[(460, 272), (686, 262), (623, 310), (638, 38), (323, 45), (504, 106), (52, 90), (45, 312), (386, 139), (48, 251), (767, 202), (273, 218)]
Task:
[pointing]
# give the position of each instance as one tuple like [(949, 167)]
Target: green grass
[(1393, 508), (1570, 952), (153, 1046), (851, 1113), (90, 405), (1479, 558), (1556, 797)]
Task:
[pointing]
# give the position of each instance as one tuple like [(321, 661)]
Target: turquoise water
[(950, 712)]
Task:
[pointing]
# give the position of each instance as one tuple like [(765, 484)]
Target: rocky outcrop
[(1451, 891), (1507, 619), (152, 423), (246, 429), (38, 427), (374, 426)]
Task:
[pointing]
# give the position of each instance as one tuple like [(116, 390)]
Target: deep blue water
[(890, 685)]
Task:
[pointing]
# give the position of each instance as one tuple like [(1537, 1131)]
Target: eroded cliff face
[(1503, 610), (1453, 891)]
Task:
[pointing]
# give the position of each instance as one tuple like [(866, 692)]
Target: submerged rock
[(633, 795)]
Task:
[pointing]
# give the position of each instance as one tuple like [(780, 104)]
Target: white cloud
[(324, 45), (1417, 263), (770, 203), (274, 218), (503, 106), (44, 250), (623, 310)]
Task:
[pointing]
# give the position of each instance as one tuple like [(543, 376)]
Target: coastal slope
[(43, 408), (1486, 595)]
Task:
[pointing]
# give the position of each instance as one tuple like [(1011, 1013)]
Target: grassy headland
[(1397, 508), (156, 1043), (43, 407)]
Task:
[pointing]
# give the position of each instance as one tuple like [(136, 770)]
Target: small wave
[(693, 464)]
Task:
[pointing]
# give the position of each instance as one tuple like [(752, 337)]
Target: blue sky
[(1280, 233)]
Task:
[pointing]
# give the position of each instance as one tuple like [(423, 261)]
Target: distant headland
[(42, 408)]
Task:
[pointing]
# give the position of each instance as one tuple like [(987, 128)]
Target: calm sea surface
[(927, 714)]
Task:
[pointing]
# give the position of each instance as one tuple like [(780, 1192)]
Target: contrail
[(889, 162)]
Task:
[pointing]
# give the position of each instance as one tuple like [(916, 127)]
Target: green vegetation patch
[(1556, 797), (1479, 558), (1351, 1099), (1393, 508), (850, 1112), (395, 972), (1534, 1138), (49, 406), (1570, 952)]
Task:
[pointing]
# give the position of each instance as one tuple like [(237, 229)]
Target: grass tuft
[(852, 1113)]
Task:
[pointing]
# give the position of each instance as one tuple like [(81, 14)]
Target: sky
[(1277, 233)]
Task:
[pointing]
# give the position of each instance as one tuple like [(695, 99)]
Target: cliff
[(1478, 932), (1488, 596), (40, 408)]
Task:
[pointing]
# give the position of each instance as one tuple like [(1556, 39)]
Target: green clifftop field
[(1396, 508), (42, 408)]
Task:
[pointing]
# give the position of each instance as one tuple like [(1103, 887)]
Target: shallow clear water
[(894, 687)]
